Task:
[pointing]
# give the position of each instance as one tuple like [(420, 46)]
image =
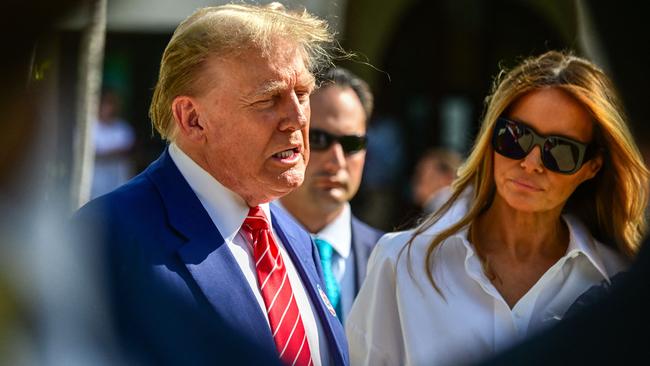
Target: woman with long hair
[(549, 202)]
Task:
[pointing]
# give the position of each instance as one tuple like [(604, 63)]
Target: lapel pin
[(326, 300)]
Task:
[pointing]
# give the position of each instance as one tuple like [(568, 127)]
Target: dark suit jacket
[(364, 238), (158, 236)]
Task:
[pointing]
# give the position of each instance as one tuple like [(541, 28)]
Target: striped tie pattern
[(281, 306)]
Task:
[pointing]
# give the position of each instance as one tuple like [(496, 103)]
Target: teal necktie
[(331, 286)]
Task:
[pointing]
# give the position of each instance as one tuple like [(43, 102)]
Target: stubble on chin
[(293, 178)]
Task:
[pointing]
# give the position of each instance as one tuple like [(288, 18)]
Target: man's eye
[(303, 96), (264, 103)]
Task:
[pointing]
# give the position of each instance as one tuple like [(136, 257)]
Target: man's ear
[(186, 116)]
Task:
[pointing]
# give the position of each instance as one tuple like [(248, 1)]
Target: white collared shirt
[(228, 211), (339, 234), (400, 319)]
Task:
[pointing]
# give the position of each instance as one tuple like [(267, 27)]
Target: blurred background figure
[(340, 109), (434, 173), (114, 141)]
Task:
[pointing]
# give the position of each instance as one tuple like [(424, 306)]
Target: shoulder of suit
[(137, 199), (360, 225)]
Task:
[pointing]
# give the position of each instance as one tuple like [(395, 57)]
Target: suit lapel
[(361, 253), (300, 249), (207, 257)]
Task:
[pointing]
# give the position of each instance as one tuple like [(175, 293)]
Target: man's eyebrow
[(273, 86), (309, 80), (270, 87)]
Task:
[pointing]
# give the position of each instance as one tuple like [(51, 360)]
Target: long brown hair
[(611, 204)]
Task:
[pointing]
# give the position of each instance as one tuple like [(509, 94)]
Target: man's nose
[(335, 157), (533, 161), (294, 114)]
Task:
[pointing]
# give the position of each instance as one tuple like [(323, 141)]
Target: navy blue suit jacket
[(158, 235), (364, 238)]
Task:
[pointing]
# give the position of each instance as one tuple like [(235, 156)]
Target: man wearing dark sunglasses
[(339, 113)]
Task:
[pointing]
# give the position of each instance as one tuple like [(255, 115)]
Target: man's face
[(254, 116), (333, 177), (428, 179)]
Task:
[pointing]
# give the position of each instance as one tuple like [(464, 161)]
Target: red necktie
[(281, 306)]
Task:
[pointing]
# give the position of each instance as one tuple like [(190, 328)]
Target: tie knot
[(256, 220), (324, 248)]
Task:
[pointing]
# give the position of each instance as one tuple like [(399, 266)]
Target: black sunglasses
[(320, 140), (560, 154)]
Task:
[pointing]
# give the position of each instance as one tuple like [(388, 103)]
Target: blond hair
[(611, 204), (224, 31)]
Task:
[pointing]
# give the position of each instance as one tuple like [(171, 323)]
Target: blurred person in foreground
[(232, 100), (434, 173), (341, 108), (549, 203), (32, 272)]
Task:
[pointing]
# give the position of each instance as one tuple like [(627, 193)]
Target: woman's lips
[(526, 185)]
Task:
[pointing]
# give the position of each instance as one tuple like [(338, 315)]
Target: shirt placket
[(505, 329)]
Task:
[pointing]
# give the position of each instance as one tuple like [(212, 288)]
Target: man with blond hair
[(232, 100)]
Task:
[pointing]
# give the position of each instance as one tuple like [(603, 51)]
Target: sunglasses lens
[(560, 156), (352, 144), (515, 140), (319, 140), (512, 140)]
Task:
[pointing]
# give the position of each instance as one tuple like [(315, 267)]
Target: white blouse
[(400, 319)]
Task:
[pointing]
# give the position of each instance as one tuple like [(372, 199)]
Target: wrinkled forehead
[(258, 73)]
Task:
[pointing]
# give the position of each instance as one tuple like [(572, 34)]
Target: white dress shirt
[(400, 319), (228, 211)]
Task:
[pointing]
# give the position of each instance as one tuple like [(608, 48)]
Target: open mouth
[(287, 154)]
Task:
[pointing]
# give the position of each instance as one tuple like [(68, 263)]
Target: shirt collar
[(226, 208), (580, 243), (580, 240), (339, 232)]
